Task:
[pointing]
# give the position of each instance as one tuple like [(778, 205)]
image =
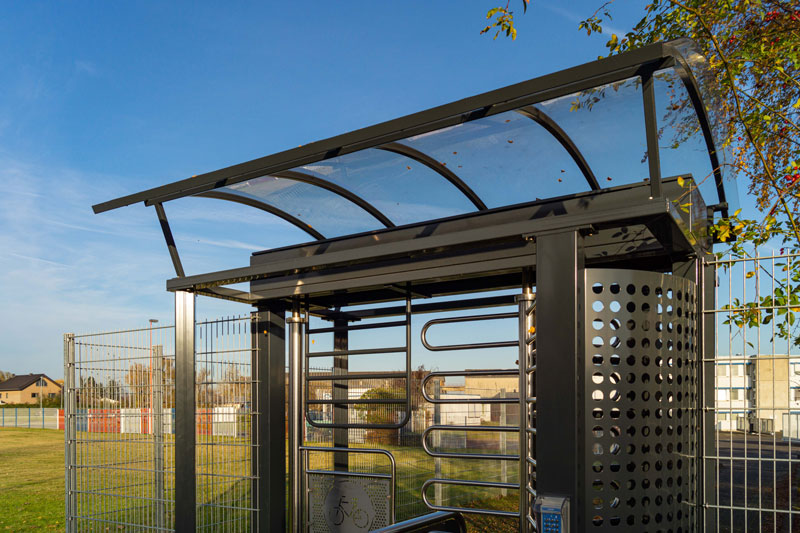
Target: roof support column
[(185, 434), (268, 435), (559, 369)]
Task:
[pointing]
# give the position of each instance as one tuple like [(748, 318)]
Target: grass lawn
[(31, 479)]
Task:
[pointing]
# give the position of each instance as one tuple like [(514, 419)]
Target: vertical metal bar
[(437, 442), (527, 440), (157, 429), (560, 454), (268, 433), (69, 431), (503, 444), (295, 418), (340, 391), (185, 433), (651, 131)]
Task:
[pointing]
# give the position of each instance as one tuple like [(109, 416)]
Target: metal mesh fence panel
[(119, 442), (223, 368), (756, 402)]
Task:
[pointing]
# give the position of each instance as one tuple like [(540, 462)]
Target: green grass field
[(31, 479)]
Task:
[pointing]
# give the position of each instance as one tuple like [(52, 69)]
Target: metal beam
[(437, 167), (173, 250), (244, 200), (185, 434), (651, 134), (693, 89), (552, 127), (426, 243)]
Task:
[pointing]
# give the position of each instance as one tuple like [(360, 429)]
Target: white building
[(735, 394)]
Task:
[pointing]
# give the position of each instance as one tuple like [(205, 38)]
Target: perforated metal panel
[(348, 503), (641, 395)]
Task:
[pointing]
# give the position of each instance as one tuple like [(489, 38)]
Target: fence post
[(29, 418), (185, 421), (157, 429), (70, 434)]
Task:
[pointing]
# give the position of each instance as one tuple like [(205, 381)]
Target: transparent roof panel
[(607, 124), (327, 212), (506, 159), (401, 187)]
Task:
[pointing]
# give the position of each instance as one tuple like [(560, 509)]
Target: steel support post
[(70, 433), (560, 388), (340, 392), (268, 418), (527, 391), (295, 419), (185, 433), (706, 468), (157, 428)]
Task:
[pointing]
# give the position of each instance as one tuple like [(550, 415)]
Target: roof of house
[(22, 382)]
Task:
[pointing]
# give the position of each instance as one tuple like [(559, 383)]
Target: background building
[(29, 388)]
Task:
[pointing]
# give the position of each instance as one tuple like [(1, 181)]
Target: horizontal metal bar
[(475, 234), (362, 375), (434, 375), (459, 455), (429, 307), (365, 351), (366, 401), (468, 483), (348, 474), (355, 327), (469, 346), (333, 449)]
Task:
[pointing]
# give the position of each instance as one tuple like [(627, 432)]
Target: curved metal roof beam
[(437, 167), (230, 197), (693, 89), (552, 127), (336, 189)]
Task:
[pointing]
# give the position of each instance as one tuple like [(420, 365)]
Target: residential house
[(28, 388)]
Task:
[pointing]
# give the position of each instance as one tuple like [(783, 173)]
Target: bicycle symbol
[(347, 509)]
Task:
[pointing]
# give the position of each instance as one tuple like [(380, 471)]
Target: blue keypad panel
[(551, 523)]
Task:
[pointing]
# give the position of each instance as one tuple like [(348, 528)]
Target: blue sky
[(98, 100)]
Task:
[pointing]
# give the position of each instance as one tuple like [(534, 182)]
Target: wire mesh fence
[(119, 443), (120, 419), (31, 418), (756, 402)]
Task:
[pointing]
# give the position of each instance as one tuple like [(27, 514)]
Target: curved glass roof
[(575, 131)]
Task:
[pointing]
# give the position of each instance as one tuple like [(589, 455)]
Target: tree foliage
[(752, 49)]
